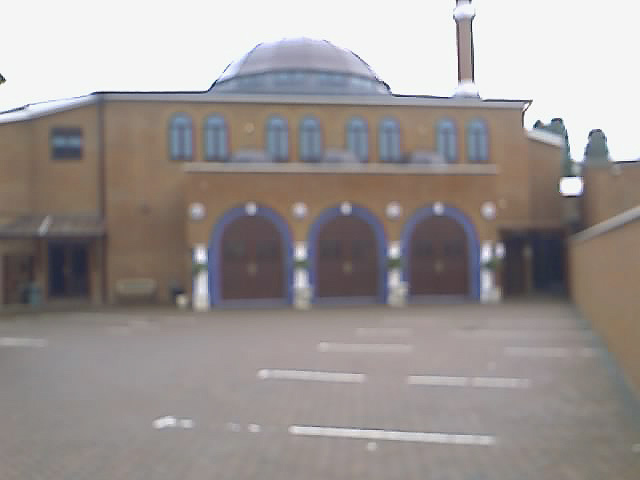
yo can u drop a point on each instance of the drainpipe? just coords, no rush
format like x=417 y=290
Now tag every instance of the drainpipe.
x=102 y=203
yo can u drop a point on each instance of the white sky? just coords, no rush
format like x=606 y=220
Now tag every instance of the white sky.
x=575 y=59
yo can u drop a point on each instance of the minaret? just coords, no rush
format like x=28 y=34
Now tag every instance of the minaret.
x=464 y=14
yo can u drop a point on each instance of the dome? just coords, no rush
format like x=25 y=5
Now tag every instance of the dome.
x=300 y=65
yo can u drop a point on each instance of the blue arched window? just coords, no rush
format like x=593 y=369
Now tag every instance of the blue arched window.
x=181 y=137
x=389 y=140
x=358 y=138
x=447 y=140
x=477 y=141
x=216 y=148
x=277 y=139
x=310 y=140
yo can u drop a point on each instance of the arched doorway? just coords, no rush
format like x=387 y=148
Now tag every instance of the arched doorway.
x=442 y=254
x=250 y=258
x=345 y=256
x=439 y=258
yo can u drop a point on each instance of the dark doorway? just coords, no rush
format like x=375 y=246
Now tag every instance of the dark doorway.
x=549 y=262
x=347 y=259
x=438 y=258
x=68 y=270
x=18 y=274
x=252 y=260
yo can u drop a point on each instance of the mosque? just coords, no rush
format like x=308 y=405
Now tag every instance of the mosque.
x=298 y=178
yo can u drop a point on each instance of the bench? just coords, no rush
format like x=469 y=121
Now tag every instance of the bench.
x=136 y=288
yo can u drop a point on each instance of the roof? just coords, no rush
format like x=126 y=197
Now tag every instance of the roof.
x=544 y=136
x=64 y=225
x=300 y=65
x=298 y=54
x=34 y=110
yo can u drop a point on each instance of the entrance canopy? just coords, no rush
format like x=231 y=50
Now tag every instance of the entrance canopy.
x=54 y=226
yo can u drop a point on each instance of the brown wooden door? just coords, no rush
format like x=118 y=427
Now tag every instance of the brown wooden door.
x=252 y=263
x=346 y=259
x=439 y=258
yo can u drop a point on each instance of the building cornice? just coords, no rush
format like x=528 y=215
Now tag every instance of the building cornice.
x=363 y=100
x=350 y=169
x=631 y=215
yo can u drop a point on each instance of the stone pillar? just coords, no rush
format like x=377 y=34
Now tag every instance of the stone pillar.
x=301 y=288
x=200 y=297
x=397 y=288
x=464 y=13
x=487 y=277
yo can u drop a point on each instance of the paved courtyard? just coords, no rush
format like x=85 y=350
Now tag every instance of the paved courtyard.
x=464 y=392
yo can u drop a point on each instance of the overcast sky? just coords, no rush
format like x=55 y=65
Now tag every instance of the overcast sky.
x=574 y=59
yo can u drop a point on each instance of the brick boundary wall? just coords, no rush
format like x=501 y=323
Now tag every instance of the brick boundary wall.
x=605 y=286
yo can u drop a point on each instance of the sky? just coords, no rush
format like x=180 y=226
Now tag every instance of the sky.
x=575 y=59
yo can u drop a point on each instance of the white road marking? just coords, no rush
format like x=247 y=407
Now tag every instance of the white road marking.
x=517 y=333
x=234 y=427
x=311 y=376
x=364 y=347
x=481 y=382
x=164 y=422
x=437 y=380
x=383 y=332
x=22 y=342
x=369 y=434
x=372 y=446
x=545 y=352
x=172 y=422
x=253 y=428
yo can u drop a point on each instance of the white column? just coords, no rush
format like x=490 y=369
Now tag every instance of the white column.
x=201 y=280
x=301 y=287
x=397 y=288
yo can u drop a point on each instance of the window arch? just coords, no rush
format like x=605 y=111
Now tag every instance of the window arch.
x=216 y=147
x=389 y=140
x=310 y=140
x=358 y=138
x=447 y=140
x=278 y=139
x=181 y=137
x=477 y=141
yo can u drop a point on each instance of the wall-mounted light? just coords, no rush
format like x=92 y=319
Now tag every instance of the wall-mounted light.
x=393 y=210
x=197 y=211
x=345 y=208
x=438 y=208
x=299 y=210
x=251 y=208
x=488 y=210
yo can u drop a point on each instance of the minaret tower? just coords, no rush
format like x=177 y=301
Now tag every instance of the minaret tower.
x=464 y=14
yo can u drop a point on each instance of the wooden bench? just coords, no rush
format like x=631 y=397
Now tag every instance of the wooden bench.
x=136 y=288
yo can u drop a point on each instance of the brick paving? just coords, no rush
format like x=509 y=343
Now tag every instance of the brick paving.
x=83 y=405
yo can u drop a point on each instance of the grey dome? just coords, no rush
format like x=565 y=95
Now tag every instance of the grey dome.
x=299 y=65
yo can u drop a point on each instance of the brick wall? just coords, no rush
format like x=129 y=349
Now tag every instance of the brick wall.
x=605 y=285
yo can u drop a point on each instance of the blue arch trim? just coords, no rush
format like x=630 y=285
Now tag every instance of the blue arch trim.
x=381 y=243
x=215 y=247
x=472 y=242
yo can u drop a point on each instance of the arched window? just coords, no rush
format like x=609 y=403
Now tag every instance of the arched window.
x=447 y=140
x=358 y=138
x=278 y=139
x=477 y=141
x=389 y=140
x=310 y=140
x=181 y=137
x=216 y=148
